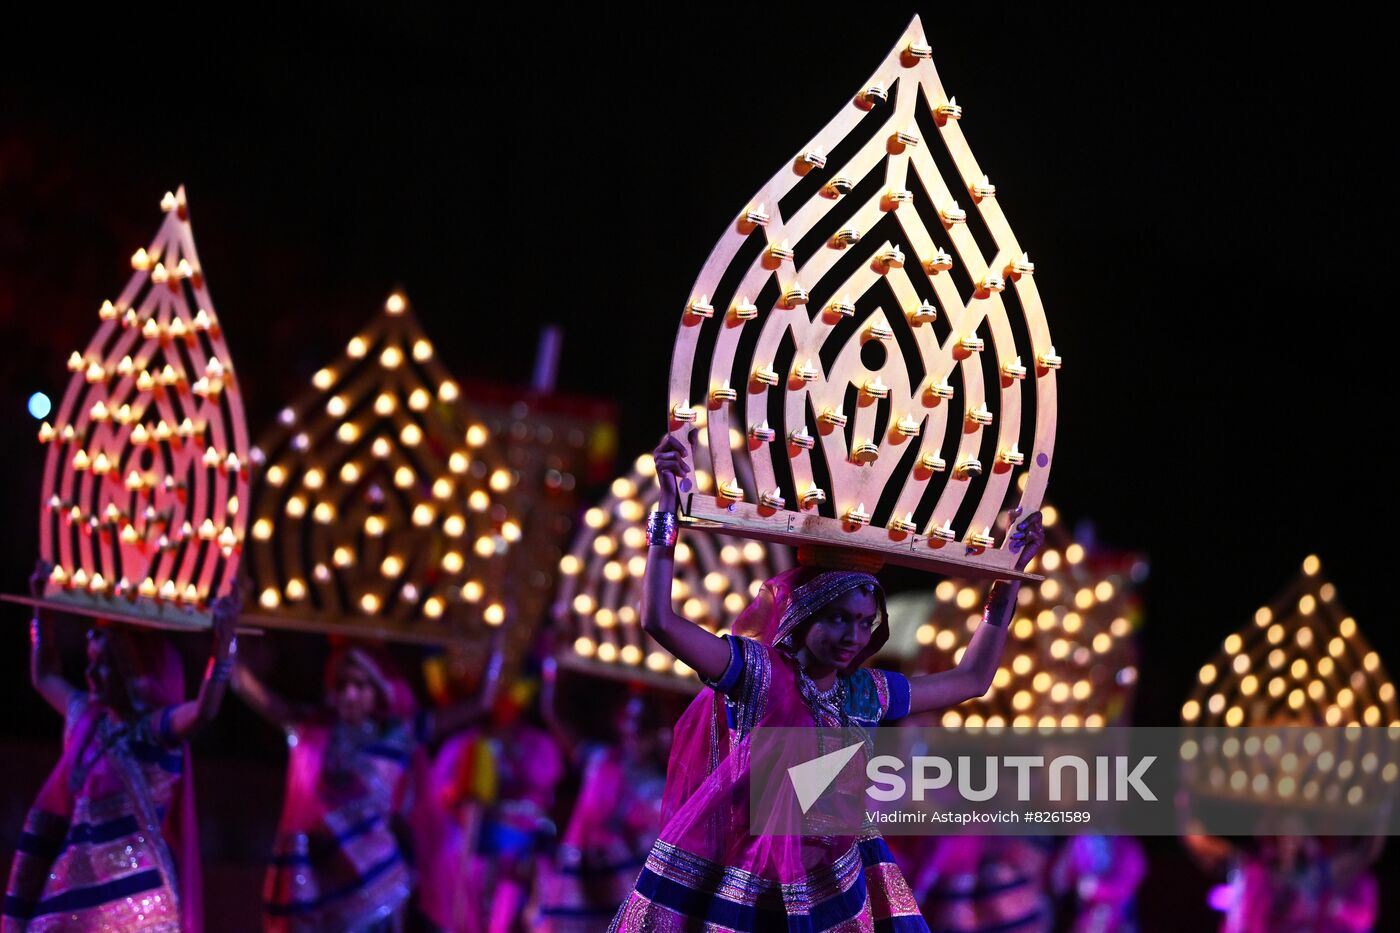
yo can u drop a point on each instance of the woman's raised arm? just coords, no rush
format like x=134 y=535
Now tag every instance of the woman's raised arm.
x=707 y=653
x=973 y=674
x=188 y=718
x=45 y=665
x=455 y=717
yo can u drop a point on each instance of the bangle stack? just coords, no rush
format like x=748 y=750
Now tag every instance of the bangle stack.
x=661 y=529
x=220 y=671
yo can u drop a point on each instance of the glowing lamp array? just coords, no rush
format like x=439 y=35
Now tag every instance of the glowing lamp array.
x=869 y=374
x=384 y=505
x=600 y=582
x=1301 y=661
x=146 y=473
x=1071 y=656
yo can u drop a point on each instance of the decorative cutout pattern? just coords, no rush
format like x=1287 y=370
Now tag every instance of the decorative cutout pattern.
x=909 y=448
x=146 y=480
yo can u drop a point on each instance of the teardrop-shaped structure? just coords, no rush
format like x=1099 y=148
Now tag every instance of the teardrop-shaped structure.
x=1303 y=661
x=600 y=589
x=1071 y=656
x=383 y=507
x=889 y=314
x=146 y=483
x=1292 y=693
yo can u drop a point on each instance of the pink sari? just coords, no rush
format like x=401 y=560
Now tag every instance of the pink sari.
x=336 y=865
x=1262 y=899
x=446 y=818
x=708 y=866
x=614 y=824
x=111 y=842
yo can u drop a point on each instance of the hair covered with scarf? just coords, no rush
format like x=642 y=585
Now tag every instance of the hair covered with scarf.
x=395 y=695
x=776 y=617
x=786 y=602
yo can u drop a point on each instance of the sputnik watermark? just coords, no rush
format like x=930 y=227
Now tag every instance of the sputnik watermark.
x=1116 y=777
x=1139 y=781
x=1127 y=777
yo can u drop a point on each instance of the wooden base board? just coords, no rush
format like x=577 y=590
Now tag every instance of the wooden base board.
x=140 y=611
x=952 y=558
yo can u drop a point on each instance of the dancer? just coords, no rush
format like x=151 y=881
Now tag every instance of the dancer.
x=795 y=660
x=110 y=843
x=337 y=864
x=518 y=771
x=1029 y=884
x=446 y=817
x=1321 y=884
x=615 y=818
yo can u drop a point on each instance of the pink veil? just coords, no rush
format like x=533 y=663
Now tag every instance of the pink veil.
x=706 y=808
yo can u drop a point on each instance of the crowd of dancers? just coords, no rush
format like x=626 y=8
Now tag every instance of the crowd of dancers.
x=397 y=816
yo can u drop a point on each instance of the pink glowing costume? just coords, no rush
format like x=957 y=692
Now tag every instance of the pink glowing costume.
x=110 y=843
x=614 y=824
x=445 y=819
x=337 y=864
x=1095 y=881
x=968 y=884
x=971 y=884
x=707 y=867
x=517 y=833
x=1262 y=899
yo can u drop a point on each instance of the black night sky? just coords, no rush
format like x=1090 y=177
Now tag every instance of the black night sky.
x=1207 y=201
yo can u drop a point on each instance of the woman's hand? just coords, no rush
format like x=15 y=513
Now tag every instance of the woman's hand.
x=39 y=579
x=224 y=615
x=704 y=651
x=45 y=666
x=1027 y=537
x=672 y=471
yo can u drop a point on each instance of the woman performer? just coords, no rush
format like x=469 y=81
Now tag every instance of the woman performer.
x=110 y=843
x=517 y=833
x=615 y=819
x=795 y=660
x=337 y=864
x=1321 y=884
x=1026 y=884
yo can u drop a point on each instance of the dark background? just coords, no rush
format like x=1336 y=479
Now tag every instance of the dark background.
x=1206 y=200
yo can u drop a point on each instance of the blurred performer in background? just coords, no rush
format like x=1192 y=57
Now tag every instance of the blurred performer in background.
x=1297 y=883
x=515 y=773
x=615 y=819
x=337 y=864
x=1026 y=884
x=448 y=805
x=111 y=843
